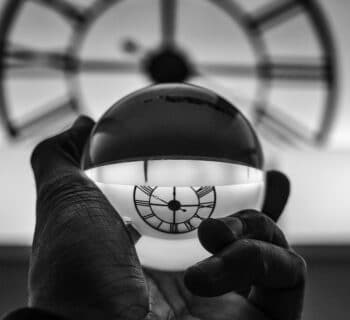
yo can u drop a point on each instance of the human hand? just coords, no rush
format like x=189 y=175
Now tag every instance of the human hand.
x=84 y=263
x=253 y=273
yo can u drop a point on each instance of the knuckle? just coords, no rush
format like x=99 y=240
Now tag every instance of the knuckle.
x=263 y=220
x=250 y=248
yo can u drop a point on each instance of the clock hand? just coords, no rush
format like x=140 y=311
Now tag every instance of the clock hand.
x=174 y=211
x=160 y=199
x=197 y=205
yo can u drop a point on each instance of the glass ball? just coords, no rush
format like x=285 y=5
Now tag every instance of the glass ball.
x=168 y=157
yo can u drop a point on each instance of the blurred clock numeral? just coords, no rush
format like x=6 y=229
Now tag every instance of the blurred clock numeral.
x=142 y=203
x=285 y=127
x=173 y=227
x=274 y=14
x=295 y=71
x=203 y=191
x=146 y=189
x=189 y=226
x=21 y=57
x=147 y=216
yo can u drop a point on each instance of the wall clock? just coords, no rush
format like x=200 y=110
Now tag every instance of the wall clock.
x=62 y=56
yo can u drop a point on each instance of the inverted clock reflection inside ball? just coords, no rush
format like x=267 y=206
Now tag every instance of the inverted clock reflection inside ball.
x=170 y=156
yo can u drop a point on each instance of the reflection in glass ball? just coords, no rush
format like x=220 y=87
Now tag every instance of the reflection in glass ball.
x=168 y=157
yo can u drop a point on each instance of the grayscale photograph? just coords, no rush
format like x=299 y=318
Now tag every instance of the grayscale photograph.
x=174 y=159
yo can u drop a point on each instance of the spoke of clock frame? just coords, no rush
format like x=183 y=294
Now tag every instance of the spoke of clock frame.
x=110 y=66
x=274 y=134
x=227 y=69
x=20 y=58
x=158 y=204
x=68 y=10
x=174 y=211
x=273 y=14
x=168 y=10
x=283 y=69
x=288 y=127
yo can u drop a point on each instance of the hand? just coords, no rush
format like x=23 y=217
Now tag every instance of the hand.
x=253 y=273
x=84 y=264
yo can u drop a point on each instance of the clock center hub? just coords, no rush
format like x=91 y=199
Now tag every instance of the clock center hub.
x=174 y=205
x=167 y=65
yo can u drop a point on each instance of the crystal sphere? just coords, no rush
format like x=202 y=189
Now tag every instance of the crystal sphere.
x=170 y=156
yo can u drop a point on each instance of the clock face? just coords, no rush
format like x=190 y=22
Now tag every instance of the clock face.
x=174 y=209
x=278 y=56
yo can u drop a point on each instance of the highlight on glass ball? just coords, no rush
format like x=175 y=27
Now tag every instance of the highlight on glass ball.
x=168 y=157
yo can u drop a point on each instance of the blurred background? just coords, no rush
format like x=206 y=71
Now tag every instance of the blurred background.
x=284 y=63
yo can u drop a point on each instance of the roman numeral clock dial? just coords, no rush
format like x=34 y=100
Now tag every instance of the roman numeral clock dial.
x=174 y=209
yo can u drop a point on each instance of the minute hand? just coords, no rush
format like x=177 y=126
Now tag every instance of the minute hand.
x=160 y=199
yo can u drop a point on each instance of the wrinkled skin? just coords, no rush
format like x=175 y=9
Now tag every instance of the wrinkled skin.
x=84 y=264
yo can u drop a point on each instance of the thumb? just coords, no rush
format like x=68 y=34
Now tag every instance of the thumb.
x=277 y=194
x=60 y=155
x=74 y=139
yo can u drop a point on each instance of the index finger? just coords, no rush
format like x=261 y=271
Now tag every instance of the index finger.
x=215 y=234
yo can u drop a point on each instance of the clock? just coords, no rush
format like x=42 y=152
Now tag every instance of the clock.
x=62 y=57
x=175 y=209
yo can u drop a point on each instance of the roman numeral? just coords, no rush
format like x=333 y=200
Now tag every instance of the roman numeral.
x=146 y=189
x=295 y=70
x=142 y=203
x=203 y=191
x=189 y=226
x=173 y=228
x=274 y=14
x=147 y=216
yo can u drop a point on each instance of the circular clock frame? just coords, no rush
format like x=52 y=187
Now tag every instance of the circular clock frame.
x=266 y=70
x=174 y=212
